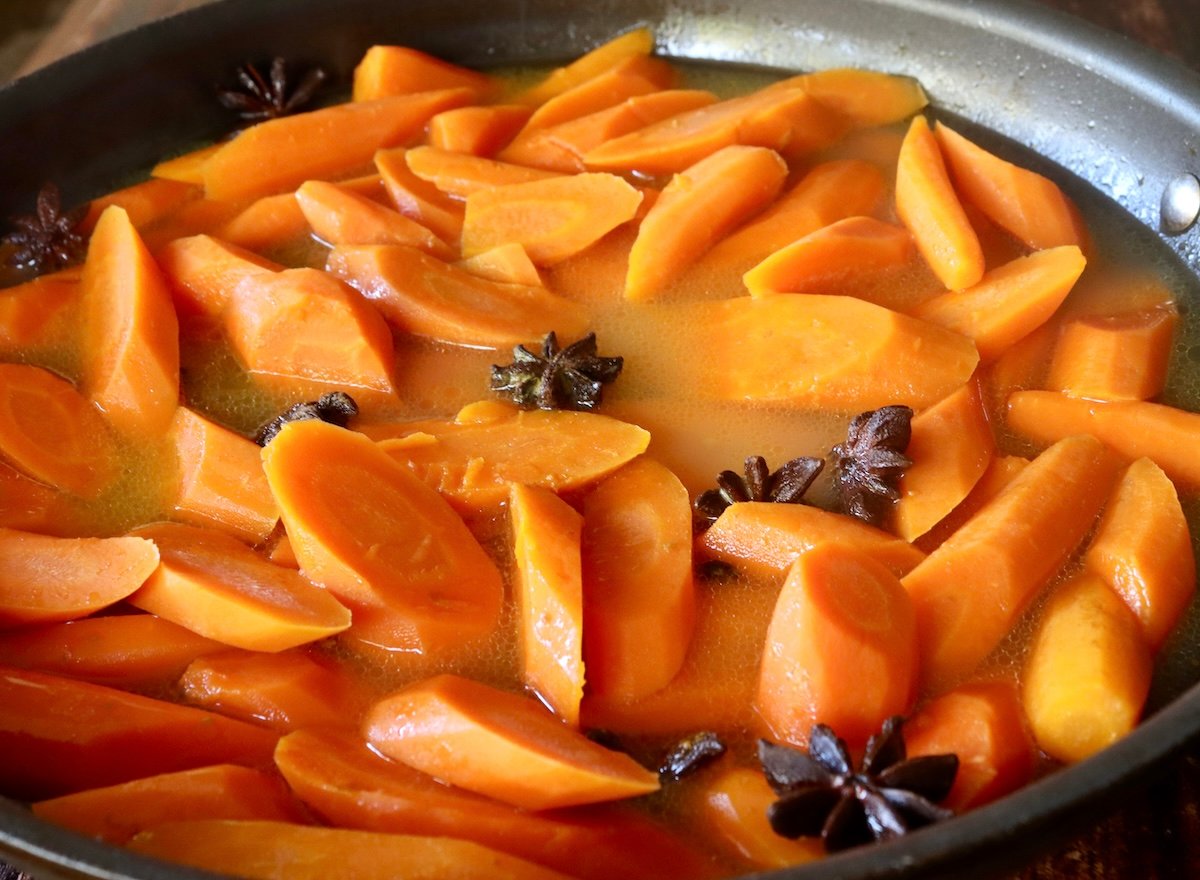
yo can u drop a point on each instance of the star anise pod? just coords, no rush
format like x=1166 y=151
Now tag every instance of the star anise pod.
x=48 y=238
x=559 y=378
x=820 y=792
x=257 y=97
x=869 y=464
x=786 y=485
x=336 y=407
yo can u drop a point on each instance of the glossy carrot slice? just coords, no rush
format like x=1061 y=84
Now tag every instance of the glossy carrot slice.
x=145 y=203
x=480 y=131
x=31 y=506
x=387 y=71
x=460 y=174
x=269 y=223
x=499 y=744
x=203 y=271
x=185 y=168
x=866 y=97
x=631 y=44
x=419 y=199
x=1114 y=357
x=998 y=476
x=37 y=313
x=339 y=216
x=628 y=78
x=506 y=263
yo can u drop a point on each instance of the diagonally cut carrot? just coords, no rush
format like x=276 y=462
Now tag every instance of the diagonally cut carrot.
x=202 y=272
x=387 y=71
x=866 y=97
x=460 y=174
x=628 y=78
x=999 y=474
x=631 y=44
x=480 y=131
x=339 y=216
x=1114 y=357
x=266 y=224
x=37 y=313
x=185 y=168
x=506 y=263
x=145 y=203
x=419 y=199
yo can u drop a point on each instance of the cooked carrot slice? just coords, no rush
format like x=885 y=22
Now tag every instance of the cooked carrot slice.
x=387 y=71
x=60 y=735
x=866 y=97
x=45 y=579
x=480 y=131
x=281 y=552
x=1114 y=357
x=639 y=598
x=422 y=295
x=927 y=205
x=506 y=263
x=999 y=474
x=131 y=349
x=628 y=78
x=499 y=744
x=49 y=431
x=201 y=216
x=1143 y=550
x=419 y=199
x=281 y=154
x=35 y=314
x=339 y=216
x=187 y=167
x=203 y=271
x=145 y=202
x=364 y=527
x=552 y=219
x=631 y=44
x=31 y=506
x=268 y=223
x=460 y=174
x=1009 y=302
x=223 y=791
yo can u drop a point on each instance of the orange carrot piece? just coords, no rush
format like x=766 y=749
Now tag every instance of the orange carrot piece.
x=419 y=199
x=282 y=553
x=830 y=352
x=472 y=462
x=506 y=263
x=145 y=202
x=480 y=131
x=1025 y=363
x=999 y=474
x=131 y=353
x=549 y=597
x=35 y=314
x=460 y=174
x=866 y=97
x=213 y=584
x=31 y=506
x=116 y=813
x=1143 y=550
x=373 y=534
x=984 y=724
x=631 y=44
x=304 y=323
x=628 y=78
x=338 y=216
x=499 y=744
x=927 y=205
x=970 y=591
x=122 y=650
x=185 y=168
x=221 y=483
x=697 y=208
x=281 y=154
x=387 y=71
x=1088 y=671
x=201 y=216
x=1023 y=202
x=1134 y=428
x=1114 y=357
x=267 y=223
x=639 y=598
x=45 y=579
x=285 y=691
x=50 y=432
x=553 y=219
x=839 y=613
x=422 y=295
x=950 y=448
x=832 y=258
x=203 y=272
x=60 y=735
x=1009 y=302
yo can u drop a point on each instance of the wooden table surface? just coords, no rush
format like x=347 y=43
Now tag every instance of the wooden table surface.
x=1156 y=835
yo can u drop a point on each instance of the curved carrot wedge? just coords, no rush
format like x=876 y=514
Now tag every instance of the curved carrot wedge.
x=628 y=78
x=999 y=474
x=145 y=202
x=122 y=650
x=185 y=168
x=984 y=724
x=422 y=295
x=460 y=174
x=387 y=71
x=505 y=263
x=306 y=324
x=549 y=597
x=480 y=131
x=971 y=590
x=36 y=314
x=60 y=735
x=266 y=224
x=832 y=258
x=927 y=205
x=950 y=448
x=202 y=272
x=1134 y=428
x=131 y=356
x=281 y=154
x=696 y=209
x=552 y=219
x=1114 y=357
x=500 y=744
x=376 y=536
x=639 y=598
x=49 y=431
x=45 y=579
x=831 y=352
x=631 y=44
x=866 y=97
x=473 y=463
x=1088 y=671
x=214 y=585
x=223 y=791
x=1009 y=302
x=839 y=614
x=1023 y=202
x=419 y=199
x=1143 y=550
x=339 y=216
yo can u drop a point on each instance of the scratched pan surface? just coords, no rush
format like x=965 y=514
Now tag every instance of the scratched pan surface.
x=1114 y=123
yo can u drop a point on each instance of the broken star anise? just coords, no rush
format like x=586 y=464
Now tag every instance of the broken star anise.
x=689 y=755
x=559 y=378
x=786 y=485
x=820 y=792
x=48 y=238
x=257 y=97
x=869 y=464
x=336 y=407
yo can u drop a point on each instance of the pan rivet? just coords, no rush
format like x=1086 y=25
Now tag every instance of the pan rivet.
x=1180 y=203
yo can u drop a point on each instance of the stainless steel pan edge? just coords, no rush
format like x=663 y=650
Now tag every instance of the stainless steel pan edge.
x=1119 y=118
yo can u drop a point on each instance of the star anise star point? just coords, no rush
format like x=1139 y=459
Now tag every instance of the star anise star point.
x=557 y=378
x=257 y=98
x=786 y=485
x=869 y=463
x=48 y=238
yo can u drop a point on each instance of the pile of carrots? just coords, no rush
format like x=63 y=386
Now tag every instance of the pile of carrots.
x=385 y=650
